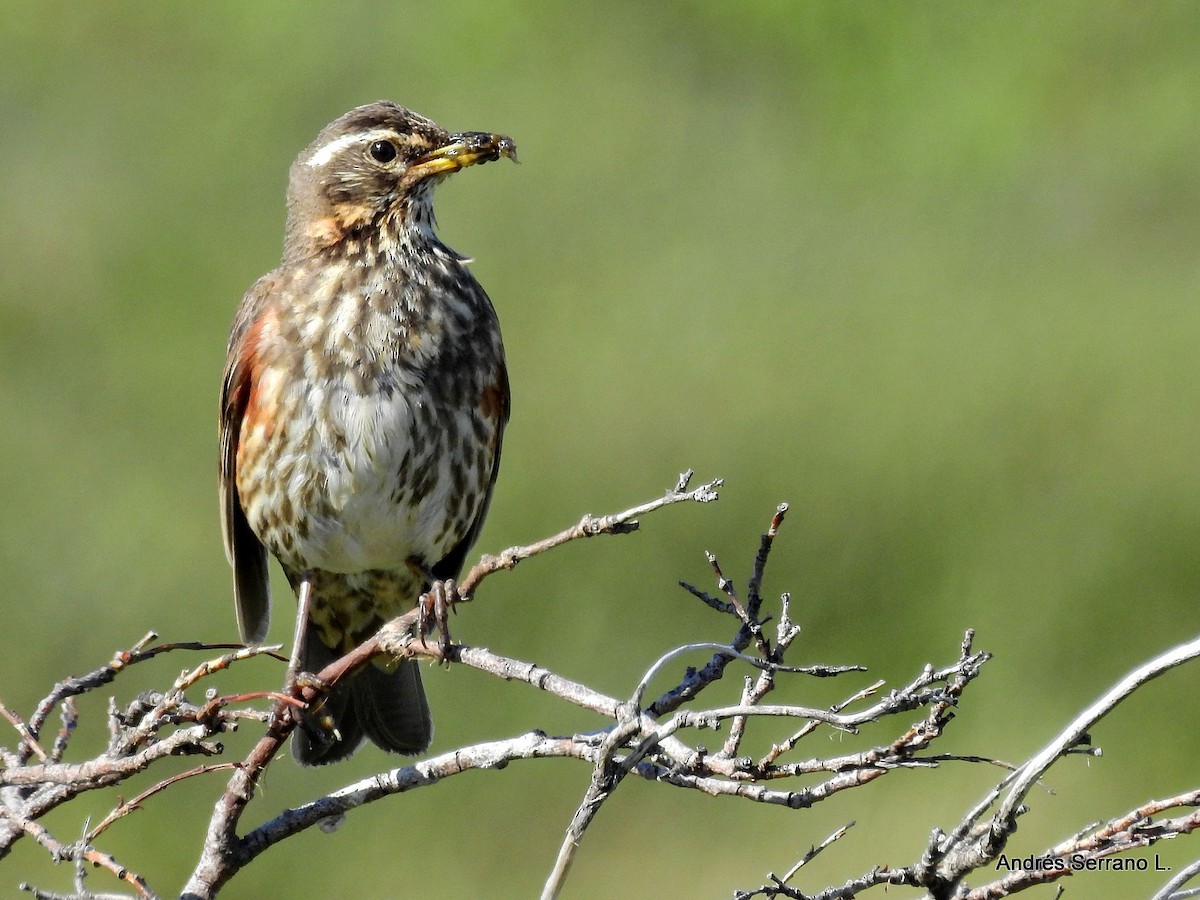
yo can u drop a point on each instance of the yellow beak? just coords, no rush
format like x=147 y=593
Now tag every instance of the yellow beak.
x=465 y=149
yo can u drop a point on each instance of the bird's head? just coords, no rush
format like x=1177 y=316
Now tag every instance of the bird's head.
x=373 y=165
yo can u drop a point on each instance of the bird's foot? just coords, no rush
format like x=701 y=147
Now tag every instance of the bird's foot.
x=308 y=714
x=317 y=723
x=434 y=609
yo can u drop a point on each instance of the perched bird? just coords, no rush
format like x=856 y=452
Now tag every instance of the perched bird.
x=362 y=410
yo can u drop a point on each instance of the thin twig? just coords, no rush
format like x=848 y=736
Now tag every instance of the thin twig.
x=783 y=747
x=778 y=886
x=29 y=741
x=125 y=807
x=589 y=526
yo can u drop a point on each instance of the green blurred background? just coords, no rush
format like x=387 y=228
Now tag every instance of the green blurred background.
x=926 y=271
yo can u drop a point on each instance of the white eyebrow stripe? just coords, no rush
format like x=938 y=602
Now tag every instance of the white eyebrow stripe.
x=326 y=152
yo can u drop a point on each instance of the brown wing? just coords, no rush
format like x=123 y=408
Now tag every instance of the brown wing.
x=245 y=552
x=496 y=402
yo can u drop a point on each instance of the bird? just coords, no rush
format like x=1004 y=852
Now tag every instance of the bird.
x=363 y=406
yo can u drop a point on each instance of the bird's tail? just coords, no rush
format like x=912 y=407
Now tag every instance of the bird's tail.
x=386 y=705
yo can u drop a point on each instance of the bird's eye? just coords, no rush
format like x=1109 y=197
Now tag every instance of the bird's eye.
x=382 y=151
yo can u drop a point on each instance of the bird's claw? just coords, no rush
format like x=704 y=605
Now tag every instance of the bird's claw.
x=302 y=680
x=433 y=612
x=309 y=715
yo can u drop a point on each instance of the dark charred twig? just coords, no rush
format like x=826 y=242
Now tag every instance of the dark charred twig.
x=730 y=653
x=716 y=603
x=754 y=586
x=696 y=681
x=749 y=622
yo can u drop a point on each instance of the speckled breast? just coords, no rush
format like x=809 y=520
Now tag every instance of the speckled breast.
x=365 y=447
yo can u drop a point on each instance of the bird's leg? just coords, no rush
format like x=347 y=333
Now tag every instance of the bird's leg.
x=316 y=721
x=296 y=678
x=433 y=612
x=303 y=602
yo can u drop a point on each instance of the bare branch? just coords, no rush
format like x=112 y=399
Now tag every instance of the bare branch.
x=970 y=847
x=331 y=807
x=606 y=775
x=657 y=742
x=81 y=852
x=1171 y=890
